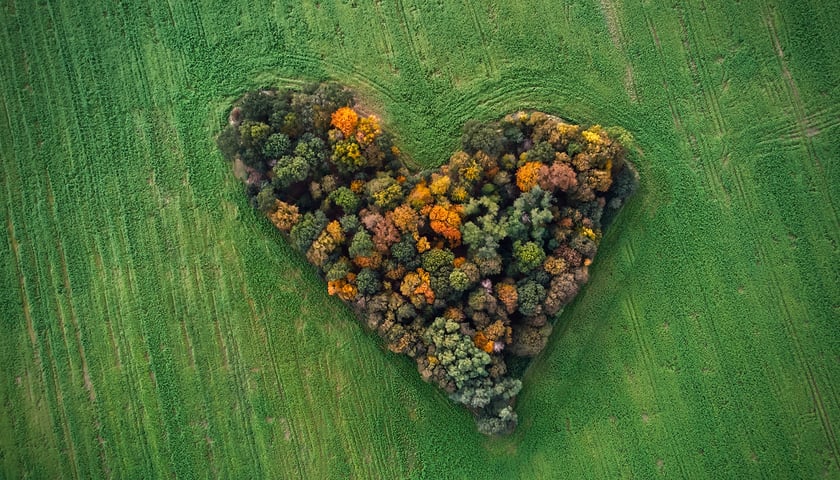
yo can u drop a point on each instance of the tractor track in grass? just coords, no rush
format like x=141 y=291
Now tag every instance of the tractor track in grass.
x=805 y=133
x=24 y=298
x=802 y=120
x=355 y=76
x=675 y=114
x=487 y=58
x=793 y=333
x=409 y=34
x=710 y=103
x=629 y=251
x=649 y=364
x=822 y=120
x=709 y=160
x=109 y=323
x=387 y=39
x=40 y=359
x=270 y=349
x=243 y=382
x=218 y=291
x=619 y=41
x=813 y=387
x=122 y=293
x=63 y=421
x=68 y=293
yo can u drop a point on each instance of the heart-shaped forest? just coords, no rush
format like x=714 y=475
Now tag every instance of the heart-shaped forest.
x=462 y=268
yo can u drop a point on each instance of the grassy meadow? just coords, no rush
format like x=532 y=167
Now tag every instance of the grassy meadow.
x=152 y=325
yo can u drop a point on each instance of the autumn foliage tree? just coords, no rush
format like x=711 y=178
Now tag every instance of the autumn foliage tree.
x=446 y=221
x=345 y=119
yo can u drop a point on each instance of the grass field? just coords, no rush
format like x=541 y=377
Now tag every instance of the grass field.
x=151 y=324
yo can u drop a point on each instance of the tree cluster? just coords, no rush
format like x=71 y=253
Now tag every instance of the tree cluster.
x=460 y=268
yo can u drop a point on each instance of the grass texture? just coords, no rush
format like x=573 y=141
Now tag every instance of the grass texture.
x=152 y=324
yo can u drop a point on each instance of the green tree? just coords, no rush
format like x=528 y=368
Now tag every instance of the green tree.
x=541 y=152
x=259 y=106
x=338 y=270
x=482 y=392
x=228 y=142
x=289 y=170
x=303 y=234
x=530 y=216
x=349 y=223
x=266 y=199
x=484 y=230
x=345 y=198
x=459 y=280
x=367 y=281
x=480 y=136
x=253 y=134
x=528 y=255
x=438 y=261
x=312 y=149
x=457 y=353
x=405 y=252
x=347 y=157
x=531 y=294
x=362 y=245
x=277 y=145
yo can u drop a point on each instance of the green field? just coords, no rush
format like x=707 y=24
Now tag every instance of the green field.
x=152 y=324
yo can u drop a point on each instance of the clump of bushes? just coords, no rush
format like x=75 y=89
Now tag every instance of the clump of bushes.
x=459 y=268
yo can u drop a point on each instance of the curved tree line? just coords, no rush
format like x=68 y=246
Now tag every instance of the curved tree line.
x=461 y=268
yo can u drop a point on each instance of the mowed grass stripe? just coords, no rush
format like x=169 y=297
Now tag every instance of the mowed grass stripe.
x=122 y=400
x=680 y=122
x=127 y=250
x=50 y=341
x=223 y=331
x=26 y=259
x=35 y=380
x=195 y=271
x=784 y=312
x=120 y=305
x=704 y=154
x=800 y=113
x=81 y=337
x=765 y=237
x=21 y=353
x=269 y=416
x=80 y=381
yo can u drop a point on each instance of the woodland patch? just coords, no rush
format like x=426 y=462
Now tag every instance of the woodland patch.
x=462 y=267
